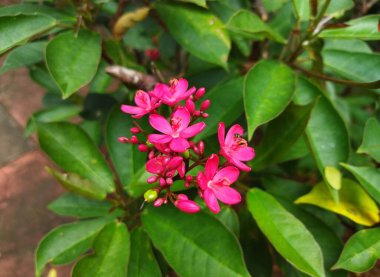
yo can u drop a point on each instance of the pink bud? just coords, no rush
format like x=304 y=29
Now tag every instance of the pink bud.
x=189 y=178
x=135 y=130
x=143 y=148
x=152 y=179
x=174 y=163
x=197 y=113
x=152 y=54
x=134 y=140
x=205 y=105
x=123 y=139
x=151 y=155
x=187 y=184
x=204 y=115
x=199 y=94
x=159 y=202
x=169 y=181
x=162 y=182
x=201 y=147
x=182 y=196
x=190 y=106
x=187 y=206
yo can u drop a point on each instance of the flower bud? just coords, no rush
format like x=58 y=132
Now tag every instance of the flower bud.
x=197 y=113
x=169 y=181
x=152 y=54
x=143 y=148
x=187 y=206
x=182 y=196
x=135 y=130
x=159 y=202
x=205 y=105
x=151 y=155
x=190 y=106
x=134 y=140
x=186 y=154
x=152 y=179
x=199 y=94
x=201 y=147
x=189 y=178
x=204 y=115
x=150 y=195
x=162 y=182
x=123 y=139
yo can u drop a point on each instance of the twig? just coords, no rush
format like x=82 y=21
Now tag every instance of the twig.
x=132 y=77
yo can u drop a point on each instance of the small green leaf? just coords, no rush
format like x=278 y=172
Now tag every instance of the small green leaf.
x=206 y=247
x=112 y=250
x=73 y=205
x=70 y=148
x=268 y=89
x=250 y=25
x=286 y=233
x=25 y=55
x=354 y=202
x=368 y=177
x=198 y=31
x=361 y=251
x=370 y=144
x=364 y=28
x=226 y=101
x=66 y=242
x=73 y=59
x=18 y=29
x=142 y=262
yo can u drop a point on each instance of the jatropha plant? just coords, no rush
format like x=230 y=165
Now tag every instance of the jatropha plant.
x=172 y=154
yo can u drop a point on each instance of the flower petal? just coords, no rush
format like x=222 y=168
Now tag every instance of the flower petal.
x=181 y=115
x=221 y=133
x=202 y=180
x=179 y=145
x=160 y=90
x=142 y=99
x=133 y=110
x=227 y=195
x=155 y=167
x=158 y=138
x=244 y=154
x=160 y=123
x=211 y=201
x=228 y=174
x=193 y=130
x=236 y=129
x=187 y=206
x=239 y=164
x=211 y=166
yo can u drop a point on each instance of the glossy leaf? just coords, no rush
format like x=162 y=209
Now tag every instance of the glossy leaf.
x=226 y=106
x=66 y=242
x=18 y=29
x=70 y=148
x=142 y=262
x=268 y=89
x=286 y=233
x=25 y=55
x=188 y=24
x=250 y=25
x=112 y=250
x=334 y=9
x=73 y=205
x=230 y=219
x=281 y=134
x=72 y=59
x=364 y=28
x=334 y=177
x=125 y=157
x=361 y=251
x=354 y=202
x=201 y=3
x=370 y=144
x=368 y=177
x=194 y=236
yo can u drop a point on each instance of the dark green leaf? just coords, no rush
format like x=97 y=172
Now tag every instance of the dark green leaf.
x=201 y=3
x=370 y=144
x=69 y=147
x=73 y=59
x=142 y=262
x=112 y=250
x=18 y=29
x=206 y=247
x=198 y=31
x=41 y=76
x=230 y=219
x=287 y=234
x=268 y=89
x=73 y=205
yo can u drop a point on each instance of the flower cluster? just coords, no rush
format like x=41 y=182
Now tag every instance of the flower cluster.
x=172 y=154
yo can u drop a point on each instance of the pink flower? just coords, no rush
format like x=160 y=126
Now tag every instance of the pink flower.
x=177 y=131
x=145 y=104
x=233 y=147
x=176 y=92
x=185 y=205
x=166 y=166
x=216 y=184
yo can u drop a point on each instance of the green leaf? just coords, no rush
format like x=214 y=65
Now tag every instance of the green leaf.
x=112 y=249
x=66 y=242
x=368 y=177
x=326 y=132
x=286 y=233
x=230 y=219
x=273 y=5
x=59 y=113
x=138 y=184
x=125 y=157
x=364 y=28
x=354 y=202
x=201 y=3
x=361 y=251
x=73 y=205
x=41 y=76
x=268 y=89
x=226 y=102
x=298 y=150
x=250 y=25
x=198 y=31
x=25 y=55
x=73 y=59
x=142 y=262
x=70 y=148
x=101 y=79
x=370 y=144
x=334 y=177
x=334 y=9
x=281 y=134
x=18 y=29
x=206 y=247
